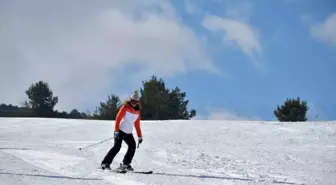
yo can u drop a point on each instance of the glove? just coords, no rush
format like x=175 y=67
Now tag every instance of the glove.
x=140 y=139
x=116 y=135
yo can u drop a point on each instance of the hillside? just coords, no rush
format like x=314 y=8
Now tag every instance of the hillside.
x=45 y=151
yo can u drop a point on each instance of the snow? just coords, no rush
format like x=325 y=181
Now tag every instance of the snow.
x=46 y=151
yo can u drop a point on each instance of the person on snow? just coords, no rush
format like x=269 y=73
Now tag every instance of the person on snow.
x=128 y=115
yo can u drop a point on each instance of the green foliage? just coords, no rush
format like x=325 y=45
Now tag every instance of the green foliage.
x=108 y=110
x=178 y=105
x=293 y=110
x=160 y=103
x=157 y=102
x=75 y=114
x=15 y=111
x=41 y=99
x=154 y=99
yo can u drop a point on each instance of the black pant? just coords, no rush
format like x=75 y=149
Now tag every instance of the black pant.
x=129 y=140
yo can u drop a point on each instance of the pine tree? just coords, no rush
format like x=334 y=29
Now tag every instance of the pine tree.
x=154 y=99
x=41 y=99
x=108 y=110
x=160 y=103
x=293 y=110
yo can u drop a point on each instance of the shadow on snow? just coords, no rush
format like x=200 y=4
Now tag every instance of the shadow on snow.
x=155 y=173
x=4 y=148
x=50 y=176
x=221 y=177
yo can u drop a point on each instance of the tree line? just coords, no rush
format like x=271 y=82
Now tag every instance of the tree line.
x=157 y=101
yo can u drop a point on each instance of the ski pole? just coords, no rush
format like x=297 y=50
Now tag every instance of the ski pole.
x=96 y=143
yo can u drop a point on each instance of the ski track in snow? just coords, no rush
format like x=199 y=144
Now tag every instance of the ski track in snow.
x=45 y=151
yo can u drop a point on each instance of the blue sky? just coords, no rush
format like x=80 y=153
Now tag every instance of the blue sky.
x=295 y=63
x=235 y=59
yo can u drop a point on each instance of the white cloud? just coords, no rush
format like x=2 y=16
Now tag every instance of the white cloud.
x=236 y=9
x=238 y=32
x=223 y=114
x=239 y=10
x=325 y=31
x=82 y=47
x=190 y=7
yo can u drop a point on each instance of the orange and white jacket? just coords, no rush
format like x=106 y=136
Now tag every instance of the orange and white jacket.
x=126 y=118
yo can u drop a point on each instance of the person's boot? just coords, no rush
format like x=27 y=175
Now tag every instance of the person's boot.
x=105 y=166
x=127 y=167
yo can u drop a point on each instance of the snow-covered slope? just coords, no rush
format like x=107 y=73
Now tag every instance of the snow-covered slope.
x=45 y=151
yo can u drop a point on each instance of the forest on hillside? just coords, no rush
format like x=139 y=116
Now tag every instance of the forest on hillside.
x=157 y=101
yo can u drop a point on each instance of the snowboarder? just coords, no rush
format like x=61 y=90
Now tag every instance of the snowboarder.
x=128 y=115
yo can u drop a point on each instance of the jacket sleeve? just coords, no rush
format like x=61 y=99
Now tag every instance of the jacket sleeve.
x=137 y=127
x=119 y=117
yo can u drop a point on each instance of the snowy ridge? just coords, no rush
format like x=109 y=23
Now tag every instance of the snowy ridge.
x=45 y=151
